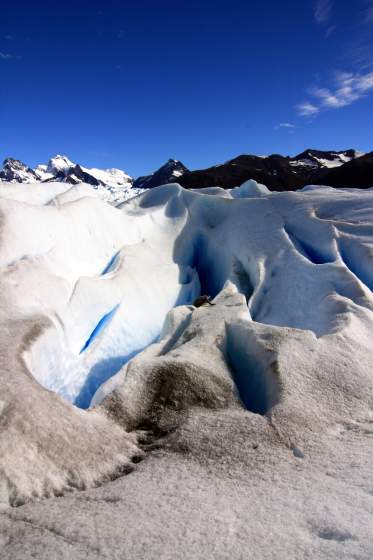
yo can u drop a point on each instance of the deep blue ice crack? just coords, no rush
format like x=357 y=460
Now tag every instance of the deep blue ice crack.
x=99 y=327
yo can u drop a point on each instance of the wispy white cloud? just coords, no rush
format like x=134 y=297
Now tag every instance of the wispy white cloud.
x=5 y=56
x=323 y=11
x=286 y=125
x=348 y=88
x=307 y=109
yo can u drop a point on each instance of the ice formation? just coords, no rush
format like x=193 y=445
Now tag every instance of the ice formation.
x=96 y=311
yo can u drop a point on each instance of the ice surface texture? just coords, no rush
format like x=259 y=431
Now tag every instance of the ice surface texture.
x=95 y=302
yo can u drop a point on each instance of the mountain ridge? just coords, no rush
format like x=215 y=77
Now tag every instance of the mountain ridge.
x=283 y=173
x=344 y=168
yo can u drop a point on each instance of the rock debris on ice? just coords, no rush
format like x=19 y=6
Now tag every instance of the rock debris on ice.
x=267 y=393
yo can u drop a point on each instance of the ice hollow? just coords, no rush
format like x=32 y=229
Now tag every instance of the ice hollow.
x=95 y=311
x=106 y=277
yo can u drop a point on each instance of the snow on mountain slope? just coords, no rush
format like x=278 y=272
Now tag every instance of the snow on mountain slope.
x=112 y=185
x=17 y=172
x=42 y=172
x=58 y=164
x=170 y=172
x=338 y=168
x=316 y=159
x=259 y=391
x=110 y=177
x=284 y=173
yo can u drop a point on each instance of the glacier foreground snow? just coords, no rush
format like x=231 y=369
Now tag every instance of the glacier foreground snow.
x=254 y=414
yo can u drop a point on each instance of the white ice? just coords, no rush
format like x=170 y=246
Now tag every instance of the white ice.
x=107 y=276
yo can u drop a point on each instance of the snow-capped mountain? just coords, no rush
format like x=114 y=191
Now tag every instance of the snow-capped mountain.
x=277 y=172
x=347 y=168
x=113 y=185
x=15 y=171
x=317 y=159
x=56 y=166
x=170 y=172
x=357 y=172
x=282 y=173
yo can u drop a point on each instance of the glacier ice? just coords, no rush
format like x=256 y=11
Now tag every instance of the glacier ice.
x=106 y=277
x=95 y=310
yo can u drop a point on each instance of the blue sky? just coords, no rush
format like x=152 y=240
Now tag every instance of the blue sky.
x=130 y=84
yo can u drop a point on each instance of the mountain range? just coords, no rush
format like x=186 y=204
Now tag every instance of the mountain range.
x=347 y=168
x=113 y=185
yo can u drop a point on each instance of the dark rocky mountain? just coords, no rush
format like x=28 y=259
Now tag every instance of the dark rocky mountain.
x=355 y=173
x=16 y=171
x=280 y=173
x=274 y=171
x=170 y=172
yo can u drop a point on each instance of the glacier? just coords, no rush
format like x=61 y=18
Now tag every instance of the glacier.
x=105 y=359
